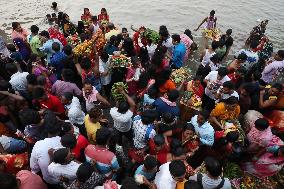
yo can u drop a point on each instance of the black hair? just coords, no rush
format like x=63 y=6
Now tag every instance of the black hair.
x=213 y=166
x=48 y=16
x=150 y=162
x=65 y=127
x=44 y=33
x=102 y=136
x=148 y=117
x=95 y=113
x=41 y=80
x=80 y=27
x=254 y=44
x=112 y=39
x=129 y=183
x=229 y=85
x=242 y=57
x=94 y=18
x=215 y=58
x=144 y=57
x=11 y=68
x=86 y=63
x=188 y=33
x=189 y=126
x=176 y=37
x=277 y=86
x=159 y=140
x=56 y=46
x=68 y=75
x=177 y=152
x=69 y=141
x=232 y=136
x=84 y=172
x=11 y=47
x=53 y=15
x=135 y=59
x=152 y=92
x=54 y=5
x=163 y=31
x=124 y=29
x=59 y=156
x=168 y=117
x=175 y=143
x=110 y=26
x=158 y=56
x=32 y=79
x=173 y=95
x=229 y=32
x=5 y=86
x=29 y=117
x=68 y=96
x=123 y=107
x=222 y=71
x=8 y=181
x=212 y=13
x=261 y=124
x=257 y=75
x=161 y=78
x=15 y=25
x=67 y=49
x=215 y=45
x=204 y=114
x=177 y=168
x=34 y=29
x=38 y=92
x=104 y=56
x=52 y=126
x=231 y=100
x=128 y=47
x=198 y=77
x=281 y=53
x=192 y=184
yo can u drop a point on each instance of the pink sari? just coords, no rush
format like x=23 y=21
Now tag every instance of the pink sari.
x=187 y=42
x=267 y=164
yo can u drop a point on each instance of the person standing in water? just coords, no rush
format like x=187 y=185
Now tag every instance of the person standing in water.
x=211 y=22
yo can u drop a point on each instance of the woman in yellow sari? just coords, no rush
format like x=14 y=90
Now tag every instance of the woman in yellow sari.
x=226 y=111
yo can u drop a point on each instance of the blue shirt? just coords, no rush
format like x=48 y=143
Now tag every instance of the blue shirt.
x=47 y=48
x=205 y=131
x=178 y=54
x=163 y=107
x=56 y=61
x=148 y=175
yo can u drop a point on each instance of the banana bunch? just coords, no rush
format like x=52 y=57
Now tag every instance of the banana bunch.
x=115 y=93
x=84 y=48
x=213 y=34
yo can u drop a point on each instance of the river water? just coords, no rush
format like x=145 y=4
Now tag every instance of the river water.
x=178 y=15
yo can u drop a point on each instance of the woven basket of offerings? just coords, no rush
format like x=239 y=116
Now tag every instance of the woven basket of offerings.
x=180 y=75
x=120 y=61
x=152 y=35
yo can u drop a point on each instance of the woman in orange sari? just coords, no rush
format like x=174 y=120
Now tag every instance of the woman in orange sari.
x=227 y=111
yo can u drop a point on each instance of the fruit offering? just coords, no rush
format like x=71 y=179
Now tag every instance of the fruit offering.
x=181 y=75
x=115 y=93
x=84 y=48
x=100 y=40
x=213 y=34
x=120 y=61
x=152 y=35
x=73 y=40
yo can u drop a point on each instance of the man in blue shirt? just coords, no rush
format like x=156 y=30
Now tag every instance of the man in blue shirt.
x=47 y=45
x=57 y=59
x=167 y=103
x=179 y=51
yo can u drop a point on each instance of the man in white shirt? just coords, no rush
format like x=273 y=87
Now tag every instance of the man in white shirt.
x=122 y=117
x=105 y=73
x=18 y=79
x=40 y=159
x=226 y=91
x=169 y=174
x=212 y=179
x=213 y=81
x=63 y=166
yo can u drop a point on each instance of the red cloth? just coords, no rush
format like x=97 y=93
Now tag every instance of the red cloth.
x=52 y=103
x=103 y=17
x=82 y=143
x=132 y=85
x=55 y=34
x=161 y=154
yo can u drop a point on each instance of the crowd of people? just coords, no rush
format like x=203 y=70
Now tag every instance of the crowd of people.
x=61 y=127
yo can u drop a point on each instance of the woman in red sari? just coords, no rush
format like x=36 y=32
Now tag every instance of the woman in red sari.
x=13 y=163
x=103 y=16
